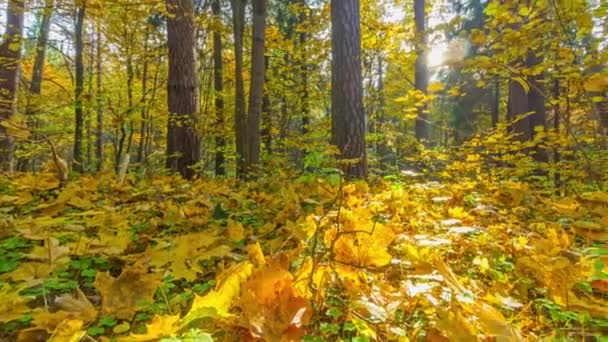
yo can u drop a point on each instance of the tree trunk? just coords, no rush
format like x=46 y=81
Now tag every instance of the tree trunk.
x=240 y=117
x=423 y=127
x=144 y=99
x=256 y=90
x=496 y=104
x=348 y=116
x=183 y=142
x=517 y=107
x=536 y=103
x=10 y=55
x=218 y=87
x=43 y=38
x=99 y=105
x=79 y=89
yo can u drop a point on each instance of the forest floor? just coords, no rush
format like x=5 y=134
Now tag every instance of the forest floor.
x=313 y=259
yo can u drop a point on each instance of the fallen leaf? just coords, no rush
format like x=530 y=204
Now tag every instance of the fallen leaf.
x=121 y=295
x=160 y=326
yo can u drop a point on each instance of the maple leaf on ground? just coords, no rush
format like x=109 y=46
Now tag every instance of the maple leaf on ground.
x=51 y=253
x=68 y=331
x=218 y=301
x=361 y=242
x=12 y=305
x=184 y=252
x=71 y=307
x=121 y=295
x=160 y=326
x=272 y=307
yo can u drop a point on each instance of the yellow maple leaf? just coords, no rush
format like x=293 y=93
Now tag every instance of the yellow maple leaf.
x=68 y=331
x=218 y=301
x=360 y=242
x=272 y=307
x=121 y=295
x=160 y=326
x=12 y=305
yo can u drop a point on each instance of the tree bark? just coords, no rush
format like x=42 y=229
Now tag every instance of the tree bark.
x=79 y=89
x=10 y=56
x=99 y=104
x=423 y=127
x=218 y=87
x=536 y=103
x=183 y=142
x=348 y=116
x=256 y=90
x=43 y=38
x=240 y=116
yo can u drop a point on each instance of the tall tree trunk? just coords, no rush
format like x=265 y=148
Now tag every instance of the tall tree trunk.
x=256 y=90
x=496 y=104
x=240 y=117
x=536 y=103
x=43 y=38
x=423 y=127
x=79 y=89
x=10 y=56
x=35 y=87
x=183 y=142
x=303 y=70
x=144 y=99
x=517 y=108
x=267 y=115
x=348 y=116
x=99 y=104
x=218 y=87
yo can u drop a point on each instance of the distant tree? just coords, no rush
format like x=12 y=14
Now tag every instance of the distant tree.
x=256 y=90
x=240 y=116
x=183 y=142
x=348 y=117
x=79 y=89
x=218 y=87
x=10 y=55
x=423 y=127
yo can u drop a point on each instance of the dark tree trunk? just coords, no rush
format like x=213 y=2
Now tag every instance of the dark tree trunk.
x=144 y=99
x=256 y=90
x=348 y=116
x=43 y=38
x=183 y=142
x=536 y=103
x=99 y=105
x=10 y=55
x=517 y=108
x=496 y=104
x=423 y=127
x=304 y=105
x=240 y=116
x=218 y=87
x=79 y=89
x=267 y=117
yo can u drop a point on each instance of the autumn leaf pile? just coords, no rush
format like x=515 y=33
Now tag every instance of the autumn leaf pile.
x=307 y=259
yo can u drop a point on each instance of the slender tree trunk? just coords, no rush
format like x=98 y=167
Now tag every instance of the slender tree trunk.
x=303 y=38
x=218 y=87
x=348 y=116
x=144 y=99
x=43 y=38
x=423 y=127
x=536 y=103
x=10 y=56
x=78 y=107
x=240 y=116
x=183 y=142
x=267 y=115
x=556 y=126
x=99 y=98
x=496 y=104
x=33 y=102
x=256 y=90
